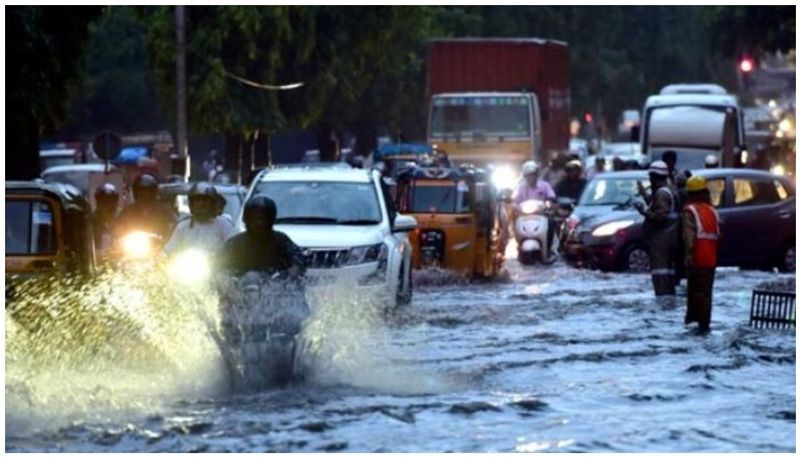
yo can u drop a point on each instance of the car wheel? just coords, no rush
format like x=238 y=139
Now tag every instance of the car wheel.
x=788 y=260
x=405 y=287
x=636 y=260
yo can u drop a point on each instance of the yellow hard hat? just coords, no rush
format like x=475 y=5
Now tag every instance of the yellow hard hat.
x=695 y=184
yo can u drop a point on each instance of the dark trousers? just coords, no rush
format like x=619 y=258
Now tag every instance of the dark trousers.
x=698 y=301
x=662 y=262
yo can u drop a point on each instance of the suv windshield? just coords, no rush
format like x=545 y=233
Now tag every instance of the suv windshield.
x=307 y=202
x=611 y=191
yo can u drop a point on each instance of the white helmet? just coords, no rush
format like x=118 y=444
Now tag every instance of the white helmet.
x=658 y=168
x=711 y=161
x=530 y=167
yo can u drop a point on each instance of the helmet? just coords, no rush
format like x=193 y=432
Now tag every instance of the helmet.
x=530 y=167
x=695 y=184
x=145 y=187
x=573 y=164
x=711 y=161
x=262 y=207
x=658 y=168
x=203 y=200
x=106 y=194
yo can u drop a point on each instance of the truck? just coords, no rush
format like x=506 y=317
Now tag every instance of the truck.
x=694 y=125
x=499 y=101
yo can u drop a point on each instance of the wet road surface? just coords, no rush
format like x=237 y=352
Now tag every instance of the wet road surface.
x=555 y=359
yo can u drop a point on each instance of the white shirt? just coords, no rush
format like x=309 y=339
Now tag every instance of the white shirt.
x=208 y=236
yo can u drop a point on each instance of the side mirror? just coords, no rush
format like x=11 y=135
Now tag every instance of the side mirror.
x=635 y=133
x=403 y=223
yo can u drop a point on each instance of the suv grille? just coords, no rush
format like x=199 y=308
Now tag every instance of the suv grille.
x=325 y=258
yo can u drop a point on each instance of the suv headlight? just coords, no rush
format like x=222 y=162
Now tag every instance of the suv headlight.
x=611 y=228
x=366 y=254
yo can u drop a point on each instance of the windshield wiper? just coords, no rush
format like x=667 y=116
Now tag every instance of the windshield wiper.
x=358 y=222
x=306 y=220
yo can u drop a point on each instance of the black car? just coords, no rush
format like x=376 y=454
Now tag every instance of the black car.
x=176 y=195
x=756 y=208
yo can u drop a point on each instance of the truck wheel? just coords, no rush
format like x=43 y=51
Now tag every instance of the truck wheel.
x=636 y=260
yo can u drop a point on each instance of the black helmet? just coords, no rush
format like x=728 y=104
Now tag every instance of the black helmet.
x=262 y=207
x=145 y=187
x=199 y=194
x=106 y=194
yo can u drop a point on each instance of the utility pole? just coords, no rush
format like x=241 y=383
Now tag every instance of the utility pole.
x=180 y=70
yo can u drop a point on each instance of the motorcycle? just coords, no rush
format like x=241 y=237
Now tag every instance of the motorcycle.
x=262 y=321
x=531 y=233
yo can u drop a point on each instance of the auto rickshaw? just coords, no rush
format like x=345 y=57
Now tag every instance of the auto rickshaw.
x=395 y=156
x=48 y=230
x=459 y=222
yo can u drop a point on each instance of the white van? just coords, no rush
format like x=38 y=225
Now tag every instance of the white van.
x=694 y=125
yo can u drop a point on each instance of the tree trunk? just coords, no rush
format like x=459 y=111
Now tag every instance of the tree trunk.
x=233 y=156
x=366 y=141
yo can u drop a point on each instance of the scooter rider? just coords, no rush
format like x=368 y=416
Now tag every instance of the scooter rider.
x=205 y=229
x=146 y=213
x=572 y=186
x=106 y=198
x=660 y=227
x=534 y=188
x=259 y=247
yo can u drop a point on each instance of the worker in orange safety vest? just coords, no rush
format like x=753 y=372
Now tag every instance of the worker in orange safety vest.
x=701 y=234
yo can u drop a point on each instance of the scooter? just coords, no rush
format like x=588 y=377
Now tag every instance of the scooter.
x=262 y=319
x=531 y=233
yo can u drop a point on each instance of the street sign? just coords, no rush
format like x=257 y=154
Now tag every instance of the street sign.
x=107 y=145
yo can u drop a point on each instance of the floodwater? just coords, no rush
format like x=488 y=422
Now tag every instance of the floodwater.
x=554 y=359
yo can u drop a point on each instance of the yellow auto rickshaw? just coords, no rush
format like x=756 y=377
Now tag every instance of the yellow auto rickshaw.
x=48 y=230
x=459 y=224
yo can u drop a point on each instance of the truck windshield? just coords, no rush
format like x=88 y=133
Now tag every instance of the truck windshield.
x=479 y=117
x=449 y=198
x=307 y=202
x=29 y=228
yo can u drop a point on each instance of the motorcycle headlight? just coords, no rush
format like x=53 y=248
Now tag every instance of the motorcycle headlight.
x=530 y=206
x=190 y=267
x=503 y=177
x=366 y=254
x=137 y=245
x=778 y=170
x=611 y=228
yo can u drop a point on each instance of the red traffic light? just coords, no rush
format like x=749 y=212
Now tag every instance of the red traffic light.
x=587 y=117
x=746 y=65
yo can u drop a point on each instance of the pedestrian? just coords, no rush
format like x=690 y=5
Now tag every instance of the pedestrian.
x=711 y=161
x=599 y=167
x=671 y=159
x=660 y=227
x=701 y=234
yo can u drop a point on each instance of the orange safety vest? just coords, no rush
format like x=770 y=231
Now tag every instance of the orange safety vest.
x=704 y=254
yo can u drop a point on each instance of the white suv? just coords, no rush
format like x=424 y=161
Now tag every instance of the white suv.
x=344 y=220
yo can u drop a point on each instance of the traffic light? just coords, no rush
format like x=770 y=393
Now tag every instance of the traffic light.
x=746 y=65
x=587 y=117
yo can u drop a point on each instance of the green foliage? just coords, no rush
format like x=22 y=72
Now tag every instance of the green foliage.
x=754 y=29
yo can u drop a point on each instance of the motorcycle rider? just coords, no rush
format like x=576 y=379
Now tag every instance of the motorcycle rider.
x=146 y=213
x=711 y=161
x=259 y=247
x=534 y=188
x=701 y=233
x=660 y=227
x=572 y=186
x=106 y=198
x=205 y=229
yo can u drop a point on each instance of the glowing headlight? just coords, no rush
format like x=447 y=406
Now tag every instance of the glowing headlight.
x=611 y=228
x=530 y=206
x=785 y=125
x=778 y=170
x=190 y=267
x=503 y=177
x=137 y=245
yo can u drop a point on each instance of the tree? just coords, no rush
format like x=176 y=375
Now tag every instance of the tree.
x=753 y=29
x=44 y=57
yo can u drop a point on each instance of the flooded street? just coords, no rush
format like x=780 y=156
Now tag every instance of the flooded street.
x=556 y=359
